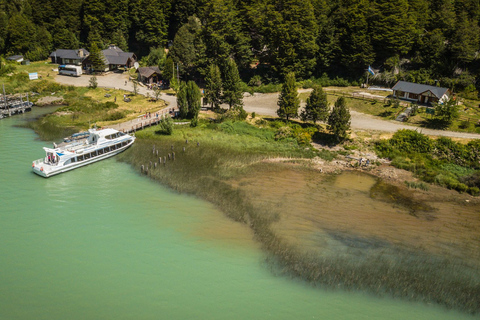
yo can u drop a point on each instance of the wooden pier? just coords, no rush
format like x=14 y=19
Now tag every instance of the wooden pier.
x=143 y=121
x=15 y=109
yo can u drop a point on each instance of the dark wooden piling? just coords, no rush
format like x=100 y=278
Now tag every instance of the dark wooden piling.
x=143 y=168
x=173 y=155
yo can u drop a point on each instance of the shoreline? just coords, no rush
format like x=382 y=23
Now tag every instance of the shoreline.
x=253 y=192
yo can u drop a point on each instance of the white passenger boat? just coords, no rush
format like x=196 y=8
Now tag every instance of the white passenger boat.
x=99 y=145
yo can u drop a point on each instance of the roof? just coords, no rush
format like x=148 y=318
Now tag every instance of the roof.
x=16 y=57
x=115 y=55
x=416 y=88
x=148 y=71
x=69 y=53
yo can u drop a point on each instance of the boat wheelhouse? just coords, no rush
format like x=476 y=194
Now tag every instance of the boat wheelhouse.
x=99 y=145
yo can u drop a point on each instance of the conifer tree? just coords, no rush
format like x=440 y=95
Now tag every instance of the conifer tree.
x=96 y=58
x=232 y=87
x=194 y=98
x=182 y=101
x=316 y=108
x=339 y=120
x=213 y=87
x=288 y=102
x=189 y=100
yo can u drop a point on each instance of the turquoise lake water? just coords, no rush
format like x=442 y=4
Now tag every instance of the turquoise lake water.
x=103 y=242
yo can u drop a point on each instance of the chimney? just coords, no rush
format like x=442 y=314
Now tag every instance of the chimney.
x=112 y=46
x=80 y=53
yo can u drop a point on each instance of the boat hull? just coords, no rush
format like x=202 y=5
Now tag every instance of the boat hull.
x=43 y=172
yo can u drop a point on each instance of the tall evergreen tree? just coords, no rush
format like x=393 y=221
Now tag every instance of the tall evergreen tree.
x=188 y=49
x=189 y=100
x=223 y=34
x=289 y=30
x=288 y=101
x=232 y=87
x=213 y=87
x=168 y=69
x=339 y=120
x=355 y=50
x=392 y=28
x=194 y=100
x=96 y=58
x=316 y=108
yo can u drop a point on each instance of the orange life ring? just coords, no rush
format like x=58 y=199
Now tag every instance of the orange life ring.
x=41 y=169
x=33 y=165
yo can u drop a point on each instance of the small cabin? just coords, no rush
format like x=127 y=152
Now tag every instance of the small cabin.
x=420 y=93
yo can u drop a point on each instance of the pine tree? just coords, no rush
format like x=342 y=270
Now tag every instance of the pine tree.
x=232 y=86
x=194 y=100
x=96 y=58
x=168 y=68
x=189 y=100
x=317 y=106
x=213 y=87
x=182 y=101
x=339 y=120
x=288 y=102
x=446 y=112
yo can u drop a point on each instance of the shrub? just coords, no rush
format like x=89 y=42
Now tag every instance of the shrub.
x=116 y=115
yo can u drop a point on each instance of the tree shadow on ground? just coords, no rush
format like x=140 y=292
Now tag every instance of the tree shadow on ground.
x=325 y=139
x=434 y=123
x=385 y=114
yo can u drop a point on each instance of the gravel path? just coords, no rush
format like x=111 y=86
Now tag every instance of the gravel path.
x=263 y=104
x=266 y=104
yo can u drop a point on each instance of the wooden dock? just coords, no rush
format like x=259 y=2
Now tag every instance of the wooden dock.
x=143 y=121
x=15 y=109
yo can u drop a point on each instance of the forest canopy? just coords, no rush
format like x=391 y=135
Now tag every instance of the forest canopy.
x=414 y=40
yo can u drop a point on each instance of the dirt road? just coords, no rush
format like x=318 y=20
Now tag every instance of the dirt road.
x=263 y=104
x=266 y=104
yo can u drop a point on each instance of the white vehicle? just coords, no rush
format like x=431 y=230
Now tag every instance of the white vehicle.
x=99 y=145
x=70 y=70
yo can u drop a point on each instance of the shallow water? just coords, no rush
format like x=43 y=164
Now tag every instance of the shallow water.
x=103 y=242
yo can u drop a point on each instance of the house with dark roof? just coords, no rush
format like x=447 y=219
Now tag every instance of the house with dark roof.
x=114 y=58
x=420 y=93
x=148 y=75
x=69 y=56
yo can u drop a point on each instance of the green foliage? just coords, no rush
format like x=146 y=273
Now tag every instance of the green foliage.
x=442 y=161
x=96 y=58
x=156 y=57
x=188 y=49
x=168 y=69
x=447 y=111
x=93 y=83
x=236 y=113
x=288 y=101
x=189 y=100
x=339 y=120
x=316 y=108
x=232 y=86
x=213 y=87
x=116 y=115
x=166 y=126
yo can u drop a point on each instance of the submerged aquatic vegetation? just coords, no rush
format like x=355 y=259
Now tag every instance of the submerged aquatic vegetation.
x=210 y=161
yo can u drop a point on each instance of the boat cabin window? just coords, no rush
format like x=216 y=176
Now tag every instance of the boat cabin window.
x=106 y=149
x=113 y=147
x=93 y=154
x=80 y=158
x=100 y=151
x=87 y=156
x=71 y=160
x=124 y=143
x=114 y=135
x=119 y=145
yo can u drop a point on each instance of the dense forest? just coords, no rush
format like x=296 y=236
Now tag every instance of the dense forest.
x=425 y=41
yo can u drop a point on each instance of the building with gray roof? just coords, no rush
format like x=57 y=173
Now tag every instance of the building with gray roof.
x=69 y=56
x=149 y=75
x=420 y=93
